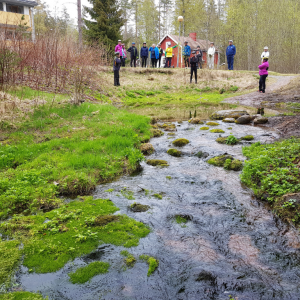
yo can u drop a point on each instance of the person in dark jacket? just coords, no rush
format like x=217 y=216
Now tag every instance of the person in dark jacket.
x=116 y=68
x=144 y=55
x=133 y=54
x=230 y=53
x=199 y=56
x=161 y=52
x=194 y=66
x=186 y=54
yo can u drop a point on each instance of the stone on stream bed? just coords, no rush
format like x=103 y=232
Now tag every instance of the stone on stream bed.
x=202 y=154
x=226 y=161
x=223 y=114
x=157 y=162
x=147 y=148
x=229 y=120
x=260 y=120
x=167 y=126
x=222 y=140
x=217 y=131
x=246 y=119
x=137 y=207
x=156 y=132
x=195 y=121
x=174 y=152
x=180 y=142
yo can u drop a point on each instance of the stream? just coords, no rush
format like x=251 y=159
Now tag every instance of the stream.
x=231 y=245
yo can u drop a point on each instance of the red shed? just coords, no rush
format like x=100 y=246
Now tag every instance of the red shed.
x=192 y=41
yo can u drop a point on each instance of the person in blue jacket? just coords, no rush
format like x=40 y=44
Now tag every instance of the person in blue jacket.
x=144 y=55
x=230 y=53
x=186 y=54
x=154 y=55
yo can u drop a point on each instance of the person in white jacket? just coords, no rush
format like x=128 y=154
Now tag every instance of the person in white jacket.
x=266 y=53
x=211 y=56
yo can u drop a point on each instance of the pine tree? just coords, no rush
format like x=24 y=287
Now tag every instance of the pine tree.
x=105 y=22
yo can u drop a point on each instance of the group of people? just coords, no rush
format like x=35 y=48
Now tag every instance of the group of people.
x=192 y=59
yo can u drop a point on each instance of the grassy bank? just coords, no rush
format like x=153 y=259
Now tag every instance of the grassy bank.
x=272 y=171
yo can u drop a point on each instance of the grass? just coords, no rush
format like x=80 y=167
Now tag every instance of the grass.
x=151 y=261
x=273 y=172
x=66 y=150
x=70 y=232
x=22 y=296
x=84 y=274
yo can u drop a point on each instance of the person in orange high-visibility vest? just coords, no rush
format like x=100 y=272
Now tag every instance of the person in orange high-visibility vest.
x=169 y=55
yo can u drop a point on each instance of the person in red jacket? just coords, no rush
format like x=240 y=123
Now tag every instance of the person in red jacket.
x=263 y=73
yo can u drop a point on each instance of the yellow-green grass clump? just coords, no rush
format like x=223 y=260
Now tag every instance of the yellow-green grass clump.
x=84 y=274
x=221 y=140
x=71 y=231
x=212 y=123
x=204 y=128
x=157 y=162
x=22 y=296
x=174 y=152
x=180 y=142
x=217 y=131
x=247 y=138
x=129 y=259
x=151 y=261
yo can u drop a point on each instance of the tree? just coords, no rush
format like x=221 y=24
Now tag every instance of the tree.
x=105 y=22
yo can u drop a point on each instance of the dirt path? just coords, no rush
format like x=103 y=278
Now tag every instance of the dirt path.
x=254 y=99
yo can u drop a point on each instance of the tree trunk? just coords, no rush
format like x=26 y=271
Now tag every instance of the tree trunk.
x=79 y=22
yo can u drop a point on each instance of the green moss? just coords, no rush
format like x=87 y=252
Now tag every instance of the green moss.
x=180 y=142
x=158 y=196
x=137 y=207
x=147 y=149
x=221 y=140
x=227 y=162
x=9 y=258
x=151 y=261
x=219 y=161
x=169 y=177
x=181 y=219
x=129 y=195
x=84 y=274
x=109 y=190
x=174 y=152
x=204 y=128
x=171 y=133
x=69 y=233
x=157 y=162
x=195 y=121
x=247 y=138
x=229 y=128
x=212 y=124
x=22 y=296
x=156 y=132
x=217 y=131
x=129 y=260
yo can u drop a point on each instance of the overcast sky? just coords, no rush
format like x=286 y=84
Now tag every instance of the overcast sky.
x=71 y=5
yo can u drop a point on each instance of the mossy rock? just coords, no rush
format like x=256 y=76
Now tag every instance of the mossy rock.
x=153 y=120
x=180 y=142
x=202 y=154
x=212 y=124
x=104 y=220
x=221 y=140
x=167 y=126
x=174 y=152
x=156 y=132
x=217 y=131
x=195 y=121
x=145 y=139
x=226 y=161
x=157 y=162
x=147 y=149
x=137 y=207
x=204 y=128
x=154 y=126
x=171 y=133
x=219 y=161
x=247 y=138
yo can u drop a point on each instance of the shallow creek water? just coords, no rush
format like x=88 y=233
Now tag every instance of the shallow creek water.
x=232 y=245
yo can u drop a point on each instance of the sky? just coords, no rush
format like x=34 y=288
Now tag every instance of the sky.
x=71 y=5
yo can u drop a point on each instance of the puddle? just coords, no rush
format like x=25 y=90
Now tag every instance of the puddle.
x=231 y=244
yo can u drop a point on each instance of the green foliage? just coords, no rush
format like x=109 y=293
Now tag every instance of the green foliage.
x=22 y=296
x=127 y=194
x=71 y=231
x=231 y=140
x=151 y=261
x=181 y=220
x=129 y=260
x=227 y=162
x=84 y=274
x=272 y=169
x=158 y=196
x=234 y=88
x=66 y=150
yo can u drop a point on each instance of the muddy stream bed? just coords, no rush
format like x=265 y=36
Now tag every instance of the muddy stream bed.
x=232 y=244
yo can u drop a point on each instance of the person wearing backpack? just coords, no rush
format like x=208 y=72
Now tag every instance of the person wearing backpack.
x=194 y=66
x=186 y=54
x=263 y=73
x=133 y=54
x=169 y=55
x=116 y=69
x=154 y=55
x=199 y=57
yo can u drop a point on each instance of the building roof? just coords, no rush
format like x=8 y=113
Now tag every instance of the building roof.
x=204 y=44
x=22 y=2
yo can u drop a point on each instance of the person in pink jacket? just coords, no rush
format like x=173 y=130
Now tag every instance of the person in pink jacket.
x=263 y=72
x=119 y=48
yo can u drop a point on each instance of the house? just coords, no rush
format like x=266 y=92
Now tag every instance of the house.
x=14 y=13
x=192 y=41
